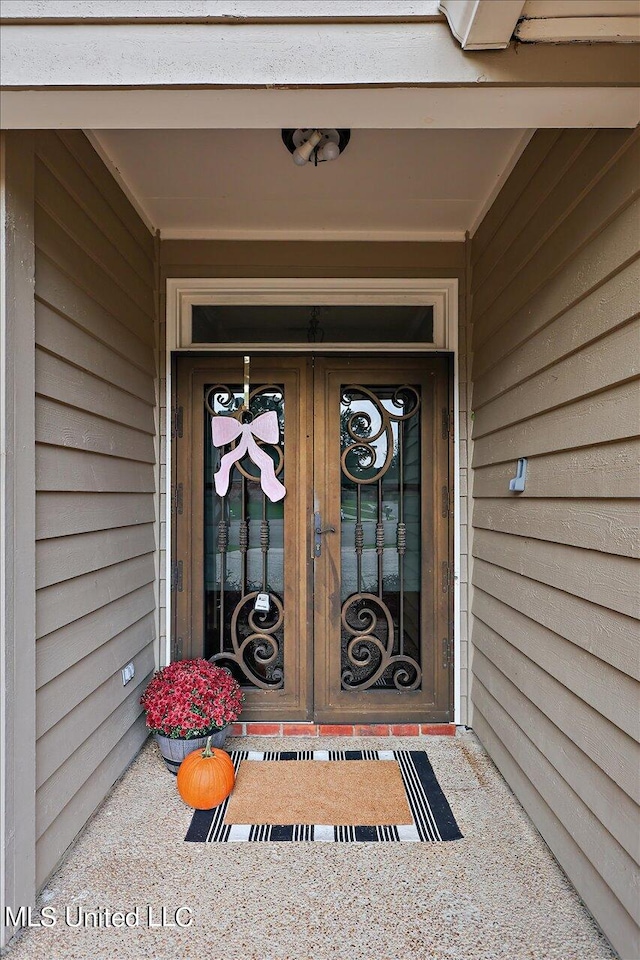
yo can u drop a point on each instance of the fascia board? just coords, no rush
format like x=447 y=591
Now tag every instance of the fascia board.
x=281 y=56
x=211 y=11
x=460 y=108
x=579 y=30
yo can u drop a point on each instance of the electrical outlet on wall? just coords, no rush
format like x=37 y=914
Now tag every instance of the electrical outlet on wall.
x=127 y=673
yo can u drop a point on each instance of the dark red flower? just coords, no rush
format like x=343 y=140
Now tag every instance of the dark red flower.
x=190 y=697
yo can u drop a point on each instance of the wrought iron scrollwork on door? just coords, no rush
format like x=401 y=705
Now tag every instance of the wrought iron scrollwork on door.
x=246 y=615
x=378 y=426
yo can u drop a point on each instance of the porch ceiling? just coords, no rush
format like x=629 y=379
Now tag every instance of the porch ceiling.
x=242 y=184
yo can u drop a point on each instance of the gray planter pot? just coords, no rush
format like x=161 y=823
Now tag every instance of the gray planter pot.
x=175 y=749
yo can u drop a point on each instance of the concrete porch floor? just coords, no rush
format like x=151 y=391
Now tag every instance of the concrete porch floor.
x=497 y=893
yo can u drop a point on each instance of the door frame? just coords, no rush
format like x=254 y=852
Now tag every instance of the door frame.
x=442 y=293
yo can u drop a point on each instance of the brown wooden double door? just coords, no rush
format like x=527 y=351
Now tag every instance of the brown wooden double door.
x=333 y=601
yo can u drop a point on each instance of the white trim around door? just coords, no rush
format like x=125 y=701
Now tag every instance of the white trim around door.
x=442 y=294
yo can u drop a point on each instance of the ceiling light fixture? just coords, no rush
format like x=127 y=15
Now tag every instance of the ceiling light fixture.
x=312 y=145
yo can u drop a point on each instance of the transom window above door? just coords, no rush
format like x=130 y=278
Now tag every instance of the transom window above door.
x=331 y=323
x=297 y=314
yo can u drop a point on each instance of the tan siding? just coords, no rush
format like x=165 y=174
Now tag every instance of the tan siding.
x=101 y=729
x=579 y=770
x=514 y=282
x=596 y=315
x=58 y=606
x=60 y=468
x=611 y=360
x=577 y=666
x=611 y=861
x=69 y=300
x=62 y=649
x=611 y=749
x=58 y=380
x=610 y=526
x=76 y=685
x=590 y=422
x=572 y=177
x=555 y=584
x=212 y=258
x=62 y=514
x=587 y=574
x=606 y=871
x=95 y=484
x=64 y=167
x=586 y=472
x=532 y=189
x=72 y=733
x=54 y=841
x=64 y=426
x=86 y=156
x=64 y=558
x=531 y=160
x=57 y=334
x=88 y=275
x=87 y=232
x=602 y=258
x=593 y=887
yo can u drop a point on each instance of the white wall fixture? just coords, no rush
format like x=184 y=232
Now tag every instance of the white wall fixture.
x=519 y=482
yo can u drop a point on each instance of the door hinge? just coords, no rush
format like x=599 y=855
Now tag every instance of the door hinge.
x=447 y=653
x=446 y=504
x=446 y=423
x=177 y=421
x=176 y=648
x=177 y=505
x=176 y=576
x=447 y=576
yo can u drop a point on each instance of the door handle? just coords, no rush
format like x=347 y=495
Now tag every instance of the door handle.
x=318 y=532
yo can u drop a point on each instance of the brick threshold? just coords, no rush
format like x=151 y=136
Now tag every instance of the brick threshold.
x=286 y=729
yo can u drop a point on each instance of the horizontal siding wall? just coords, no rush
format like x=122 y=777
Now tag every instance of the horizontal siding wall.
x=555 y=288
x=95 y=484
x=218 y=258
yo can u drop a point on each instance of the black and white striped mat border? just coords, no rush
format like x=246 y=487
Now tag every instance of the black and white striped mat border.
x=433 y=820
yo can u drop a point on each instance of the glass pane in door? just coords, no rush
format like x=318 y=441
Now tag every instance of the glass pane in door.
x=380 y=537
x=243 y=567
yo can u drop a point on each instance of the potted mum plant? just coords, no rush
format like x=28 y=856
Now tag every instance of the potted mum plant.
x=188 y=701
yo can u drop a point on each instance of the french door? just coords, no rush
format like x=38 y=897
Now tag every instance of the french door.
x=330 y=601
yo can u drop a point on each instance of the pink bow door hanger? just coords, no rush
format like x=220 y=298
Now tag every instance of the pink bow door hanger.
x=225 y=430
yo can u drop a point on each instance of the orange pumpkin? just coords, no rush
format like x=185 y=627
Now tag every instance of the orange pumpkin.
x=206 y=777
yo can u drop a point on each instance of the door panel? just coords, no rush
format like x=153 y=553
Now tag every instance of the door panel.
x=358 y=612
x=381 y=610
x=239 y=545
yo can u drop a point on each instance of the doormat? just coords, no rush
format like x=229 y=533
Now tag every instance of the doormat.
x=430 y=821
x=346 y=793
